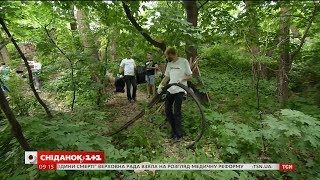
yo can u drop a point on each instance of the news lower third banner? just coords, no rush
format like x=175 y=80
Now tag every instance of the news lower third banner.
x=83 y=160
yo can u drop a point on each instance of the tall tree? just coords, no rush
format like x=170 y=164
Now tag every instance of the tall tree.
x=91 y=48
x=192 y=13
x=286 y=56
x=113 y=48
x=284 y=60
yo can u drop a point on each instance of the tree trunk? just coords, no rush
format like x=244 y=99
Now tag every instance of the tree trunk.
x=15 y=126
x=4 y=54
x=104 y=58
x=86 y=37
x=113 y=48
x=28 y=69
x=192 y=12
x=284 y=60
x=73 y=23
x=191 y=9
x=73 y=26
x=90 y=44
x=83 y=27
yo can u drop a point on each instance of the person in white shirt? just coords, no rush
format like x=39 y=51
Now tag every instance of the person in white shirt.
x=177 y=71
x=36 y=68
x=127 y=67
x=4 y=76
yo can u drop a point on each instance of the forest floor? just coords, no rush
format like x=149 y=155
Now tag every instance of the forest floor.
x=126 y=111
x=123 y=111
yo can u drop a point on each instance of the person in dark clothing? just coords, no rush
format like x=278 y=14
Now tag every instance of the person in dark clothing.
x=128 y=66
x=150 y=74
x=131 y=82
x=177 y=71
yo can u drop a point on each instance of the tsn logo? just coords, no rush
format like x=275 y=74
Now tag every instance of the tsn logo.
x=287 y=167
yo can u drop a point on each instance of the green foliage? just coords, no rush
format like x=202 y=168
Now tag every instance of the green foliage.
x=226 y=57
x=21 y=104
x=297 y=135
x=289 y=136
x=68 y=132
x=234 y=133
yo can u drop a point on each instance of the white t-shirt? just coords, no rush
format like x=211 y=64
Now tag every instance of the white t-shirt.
x=37 y=66
x=176 y=71
x=129 y=66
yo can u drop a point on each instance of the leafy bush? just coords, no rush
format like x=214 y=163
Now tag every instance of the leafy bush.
x=294 y=137
x=21 y=103
x=226 y=57
x=289 y=137
x=64 y=131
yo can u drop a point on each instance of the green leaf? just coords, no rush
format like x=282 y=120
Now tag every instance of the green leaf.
x=313 y=141
x=61 y=173
x=232 y=150
x=293 y=132
x=310 y=163
x=19 y=177
x=4 y=128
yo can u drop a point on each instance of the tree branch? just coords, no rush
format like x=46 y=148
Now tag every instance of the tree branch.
x=168 y=4
x=71 y=66
x=133 y=21
x=302 y=41
x=41 y=102
x=203 y=5
x=55 y=44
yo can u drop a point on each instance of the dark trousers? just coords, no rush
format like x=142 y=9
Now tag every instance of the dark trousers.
x=131 y=80
x=36 y=80
x=173 y=112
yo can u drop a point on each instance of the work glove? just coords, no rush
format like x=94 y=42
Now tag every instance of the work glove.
x=160 y=89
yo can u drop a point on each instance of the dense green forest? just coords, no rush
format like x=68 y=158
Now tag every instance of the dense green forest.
x=255 y=70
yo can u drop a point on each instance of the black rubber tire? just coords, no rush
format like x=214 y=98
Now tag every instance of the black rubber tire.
x=156 y=99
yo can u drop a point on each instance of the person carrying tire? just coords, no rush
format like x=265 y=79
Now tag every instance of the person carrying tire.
x=177 y=71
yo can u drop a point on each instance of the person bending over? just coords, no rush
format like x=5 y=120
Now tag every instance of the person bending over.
x=177 y=71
